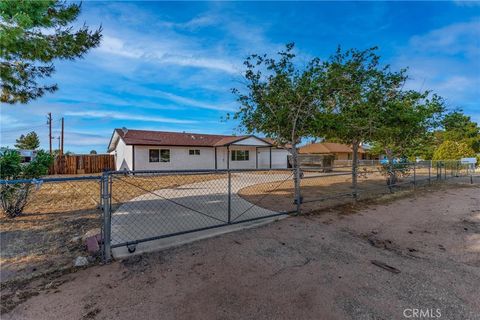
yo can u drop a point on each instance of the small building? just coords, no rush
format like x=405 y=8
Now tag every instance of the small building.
x=26 y=155
x=338 y=150
x=161 y=150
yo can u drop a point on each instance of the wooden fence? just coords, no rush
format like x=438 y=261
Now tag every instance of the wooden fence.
x=81 y=164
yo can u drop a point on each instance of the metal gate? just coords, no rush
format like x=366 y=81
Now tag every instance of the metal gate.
x=142 y=206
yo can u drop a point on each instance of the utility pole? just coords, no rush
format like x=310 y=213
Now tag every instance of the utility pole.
x=49 y=122
x=61 y=145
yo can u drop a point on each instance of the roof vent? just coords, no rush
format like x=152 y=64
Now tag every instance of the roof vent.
x=125 y=130
x=193 y=137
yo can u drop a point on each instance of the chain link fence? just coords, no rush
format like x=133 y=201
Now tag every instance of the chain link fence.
x=147 y=205
x=47 y=236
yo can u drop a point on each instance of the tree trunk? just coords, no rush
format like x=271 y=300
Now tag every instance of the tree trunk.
x=355 y=146
x=296 y=177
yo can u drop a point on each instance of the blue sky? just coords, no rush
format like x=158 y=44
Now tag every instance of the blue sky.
x=170 y=66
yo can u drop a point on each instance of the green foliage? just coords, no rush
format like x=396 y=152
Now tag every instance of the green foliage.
x=34 y=33
x=408 y=118
x=10 y=167
x=39 y=166
x=280 y=99
x=93 y=151
x=453 y=150
x=459 y=127
x=355 y=89
x=28 y=142
x=13 y=197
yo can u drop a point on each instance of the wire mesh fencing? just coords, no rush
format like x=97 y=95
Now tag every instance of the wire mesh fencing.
x=47 y=234
x=146 y=205
x=327 y=188
x=149 y=205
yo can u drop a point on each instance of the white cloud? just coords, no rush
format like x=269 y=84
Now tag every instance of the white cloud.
x=116 y=46
x=192 y=102
x=467 y=3
x=126 y=116
x=452 y=39
x=173 y=52
x=447 y=61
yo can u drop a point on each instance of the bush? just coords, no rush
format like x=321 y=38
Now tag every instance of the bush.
x=13 y=197
x=453 y=150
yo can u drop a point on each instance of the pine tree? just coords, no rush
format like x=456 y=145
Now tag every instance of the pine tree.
x=28 y=142
x=34 y=33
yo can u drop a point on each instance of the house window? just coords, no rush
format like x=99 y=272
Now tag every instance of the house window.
x=153 y=155
x=194 y=152
x=156 y=155
x=240 y=155
x=164 y=155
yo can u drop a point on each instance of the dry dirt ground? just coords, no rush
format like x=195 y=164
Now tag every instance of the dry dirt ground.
x=48 y=235
x=317 y=266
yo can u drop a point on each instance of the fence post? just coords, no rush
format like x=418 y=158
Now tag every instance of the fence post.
x=106 y=217
x=429 y=174
x=414 y=175
x=298 y=196
x=229 y=212
x=101 y=193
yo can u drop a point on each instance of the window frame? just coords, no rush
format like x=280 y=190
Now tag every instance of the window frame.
x=161 y=156
x=150 y=156
x=235 y=155
x=193 y=152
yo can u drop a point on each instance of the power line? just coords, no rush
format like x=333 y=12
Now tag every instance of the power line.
x=22 y=128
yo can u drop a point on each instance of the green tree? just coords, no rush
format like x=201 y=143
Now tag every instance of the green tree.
x=356 y=87
x=34 y=33
x=28 y=142
x=93 y=151
x=280 y=100
x=14 y=196
x=453 y=150
x=408 y=118
x=459 y=127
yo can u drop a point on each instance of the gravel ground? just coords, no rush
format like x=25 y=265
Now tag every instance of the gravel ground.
x=310 y=267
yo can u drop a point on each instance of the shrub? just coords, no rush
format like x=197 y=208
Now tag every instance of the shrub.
x=453 y=150
x=13 y=197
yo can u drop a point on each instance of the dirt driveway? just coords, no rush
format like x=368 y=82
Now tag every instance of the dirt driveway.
x=313 y=267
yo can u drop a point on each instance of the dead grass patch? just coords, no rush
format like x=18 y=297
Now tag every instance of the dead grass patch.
x=47 y=236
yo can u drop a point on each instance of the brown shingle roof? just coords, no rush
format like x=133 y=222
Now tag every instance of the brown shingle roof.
x=328 y=147
x=164 y=138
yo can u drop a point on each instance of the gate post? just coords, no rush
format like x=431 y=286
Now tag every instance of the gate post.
x=429 y=172
x=106 y=217
x=229 y=212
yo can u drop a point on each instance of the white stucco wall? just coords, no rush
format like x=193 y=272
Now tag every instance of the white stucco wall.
x=279 y=158
x=180 y=159
x=222 y=158
x=251 y=141
x=123 y=156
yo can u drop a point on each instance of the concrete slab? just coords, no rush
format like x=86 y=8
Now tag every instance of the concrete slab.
x=188 y=207
x=165 y=243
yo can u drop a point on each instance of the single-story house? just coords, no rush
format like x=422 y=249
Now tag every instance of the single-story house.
x=338 y=150
x=160 y=150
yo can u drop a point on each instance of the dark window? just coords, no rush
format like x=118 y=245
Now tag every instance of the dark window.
x=153 y=155
x=164 y=155
x=240 y=155
x=194 y=152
